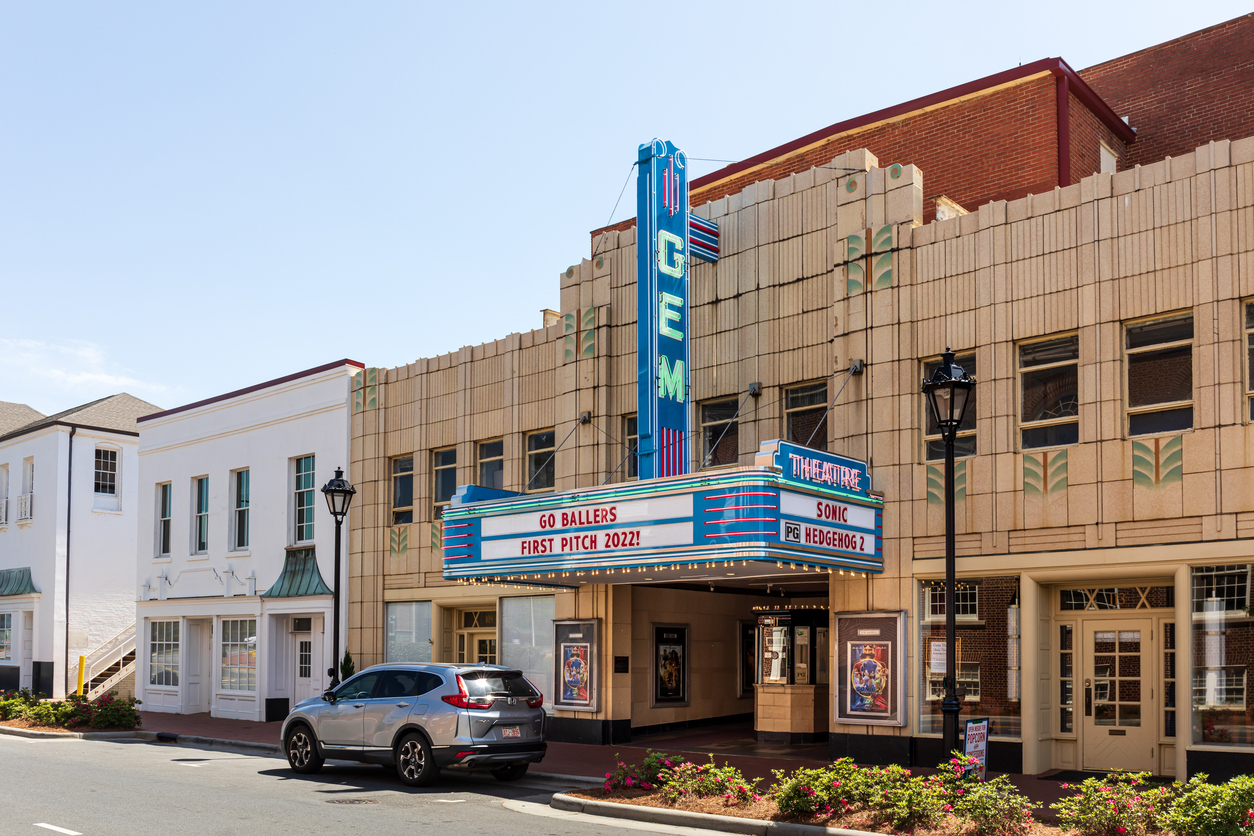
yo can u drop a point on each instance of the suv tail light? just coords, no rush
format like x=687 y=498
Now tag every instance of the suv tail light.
x=462 y=699
x=536 y=701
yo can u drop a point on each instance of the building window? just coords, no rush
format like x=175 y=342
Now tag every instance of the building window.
x=6 y=636
x=631 y=438
x=1160 y=375
x=476 y=637
x=1221 y=588
x=444 y=472
x=163 y=653
x=239 y=654
x=1249 y=358
x=1169 y=679
x=1219 y=688
x=200 y=519
x=964 y=442
x=527 y=640
x=968 y=677
x=492 y=464
x=4 y=494
x=1109 y=159
x=1066 y=678
x=165 y=504
x=106 y=482
x=720 y=433
x=304 y=499
x=966 y=602
x=402 y=490
x=805 y=414
x=239 y=519
x=1049 y=387
x=26 y=499
x=408 y=627
x=304 y=659
x=541 y=453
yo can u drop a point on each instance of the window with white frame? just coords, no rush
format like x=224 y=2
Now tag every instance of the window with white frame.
x=964 y=440
x=1049 y=413
x=165 y=509
x=492 y=464
x=1160 y=375
x=303 y=499
x=240 y=489
x=631 y=437
x=805 y=414
x=1219 y=687
x=968 y=678
x=4 y=494
x=200 y=517
x=106 y=481
x=239 y=654
x=541 y=453
x=163 y=653
x=6 y=636
x=966 y=602
x=1221 y=588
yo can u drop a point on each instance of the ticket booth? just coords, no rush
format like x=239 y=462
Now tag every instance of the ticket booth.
x=791 y=695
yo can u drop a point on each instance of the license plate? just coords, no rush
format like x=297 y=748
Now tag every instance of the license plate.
x=510 y=731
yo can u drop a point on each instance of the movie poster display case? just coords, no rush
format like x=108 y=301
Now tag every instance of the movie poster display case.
x=869 y=659
x=575 y=675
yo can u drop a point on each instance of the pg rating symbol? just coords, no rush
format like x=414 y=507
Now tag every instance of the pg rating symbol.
x=792 y=532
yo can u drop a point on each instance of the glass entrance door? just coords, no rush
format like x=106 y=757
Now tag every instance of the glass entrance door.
x=1119 y=718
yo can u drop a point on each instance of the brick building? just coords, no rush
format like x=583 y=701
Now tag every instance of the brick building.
x=1104 y=486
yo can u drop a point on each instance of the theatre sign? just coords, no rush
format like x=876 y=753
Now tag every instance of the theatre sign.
x=796 y=508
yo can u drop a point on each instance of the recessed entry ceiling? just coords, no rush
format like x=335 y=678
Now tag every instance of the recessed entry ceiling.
x=752 y=578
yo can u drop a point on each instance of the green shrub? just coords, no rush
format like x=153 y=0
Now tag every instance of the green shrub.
x=49 y=713
x=805 y=792
x=640 y=776
x=690 y=780
x=108 y=711
x=1122 y=804
x=995 y=808
x=1202 y=809
x=908 y=803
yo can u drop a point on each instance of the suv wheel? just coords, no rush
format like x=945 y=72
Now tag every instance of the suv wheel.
x=302 y=751
x=414 y=762
x=510 y=773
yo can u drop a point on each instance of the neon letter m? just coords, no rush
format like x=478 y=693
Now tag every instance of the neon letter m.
x=670 y=381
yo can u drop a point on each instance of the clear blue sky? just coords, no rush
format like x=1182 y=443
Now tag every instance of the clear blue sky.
x=196 y=197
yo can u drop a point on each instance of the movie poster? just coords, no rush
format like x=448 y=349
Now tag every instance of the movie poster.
x=575 y=665
x=868 y=684
x=869 y=678
x=670 y=664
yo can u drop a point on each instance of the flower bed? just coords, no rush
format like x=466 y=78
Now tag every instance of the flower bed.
x=108 y=713
x=951 y=802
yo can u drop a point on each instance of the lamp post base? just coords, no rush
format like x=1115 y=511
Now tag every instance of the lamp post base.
x=951 y=707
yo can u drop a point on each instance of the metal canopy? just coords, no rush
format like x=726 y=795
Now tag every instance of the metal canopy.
x=16 y=582
x=300 y=577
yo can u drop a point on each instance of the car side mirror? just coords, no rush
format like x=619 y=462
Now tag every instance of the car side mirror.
x=328 y=695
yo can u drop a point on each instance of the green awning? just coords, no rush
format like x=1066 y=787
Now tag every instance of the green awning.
x=16 y=582
x=300 y=577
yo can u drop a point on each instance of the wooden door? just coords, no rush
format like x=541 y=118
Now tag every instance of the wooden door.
x=1119 y=717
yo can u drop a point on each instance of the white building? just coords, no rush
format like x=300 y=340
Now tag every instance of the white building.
x=236 y=547
x=68 y=508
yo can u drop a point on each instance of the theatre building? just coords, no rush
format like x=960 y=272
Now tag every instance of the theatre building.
x=707 y=492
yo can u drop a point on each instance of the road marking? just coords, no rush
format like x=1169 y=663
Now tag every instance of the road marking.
x=58 y=829
x=449 y=800
x=531 y=808
x=196 y=765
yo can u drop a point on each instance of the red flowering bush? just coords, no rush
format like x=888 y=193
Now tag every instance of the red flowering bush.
x=1122 y=804
x=640 y=776
x=690 y=780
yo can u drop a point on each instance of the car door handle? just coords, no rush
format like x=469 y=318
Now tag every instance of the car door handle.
x=358 y=705
x=402 y=704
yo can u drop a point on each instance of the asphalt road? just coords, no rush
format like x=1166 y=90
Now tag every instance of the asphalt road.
x=134 y=788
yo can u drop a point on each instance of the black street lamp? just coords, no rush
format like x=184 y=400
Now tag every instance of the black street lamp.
x=948 y=392
x=339 y=493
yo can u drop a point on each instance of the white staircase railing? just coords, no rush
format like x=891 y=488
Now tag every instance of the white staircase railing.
x=113 y=651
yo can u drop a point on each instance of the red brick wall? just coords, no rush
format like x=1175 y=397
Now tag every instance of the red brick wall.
x=1183 y=93
x=1086 y=132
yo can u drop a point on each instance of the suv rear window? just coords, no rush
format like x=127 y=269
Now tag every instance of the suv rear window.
x=483 y=683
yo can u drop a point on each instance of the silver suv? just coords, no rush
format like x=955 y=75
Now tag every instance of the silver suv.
x=422 y=718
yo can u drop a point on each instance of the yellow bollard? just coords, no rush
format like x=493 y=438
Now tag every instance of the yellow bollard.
x=82 y=663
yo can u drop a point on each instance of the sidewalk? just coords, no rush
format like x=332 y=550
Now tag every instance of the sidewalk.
x=574 y=758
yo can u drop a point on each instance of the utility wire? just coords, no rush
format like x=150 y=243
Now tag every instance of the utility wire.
x=848 y=376
x=621 y=192
x=552 y=455
x=727 y=427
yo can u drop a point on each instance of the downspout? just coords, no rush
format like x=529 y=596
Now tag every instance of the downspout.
x=1064 y=131
x=69 y=520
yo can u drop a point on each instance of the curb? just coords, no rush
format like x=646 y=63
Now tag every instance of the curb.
x=582 y=782
x=198 y=740
x=66 y=735
x=683 y=818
